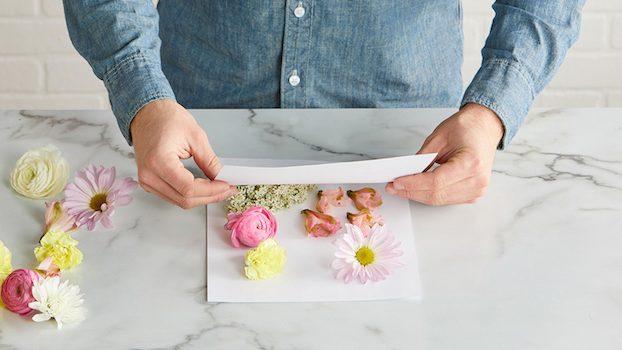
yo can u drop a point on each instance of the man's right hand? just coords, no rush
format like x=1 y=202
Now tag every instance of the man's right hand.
x=163 y=133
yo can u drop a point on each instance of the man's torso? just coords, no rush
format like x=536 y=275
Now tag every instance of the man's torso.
x=236 y=53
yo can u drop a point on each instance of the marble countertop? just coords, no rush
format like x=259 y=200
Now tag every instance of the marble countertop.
x=536 y=264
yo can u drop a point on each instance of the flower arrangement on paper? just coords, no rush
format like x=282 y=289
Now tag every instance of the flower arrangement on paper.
x=92 y=198
x=365 y=251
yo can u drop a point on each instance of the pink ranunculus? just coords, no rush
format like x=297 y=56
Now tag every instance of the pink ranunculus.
x=332 y=197
x=251 y=227
x=365 y=220
x=17 y=291
x=366 y=198
x=319 y=224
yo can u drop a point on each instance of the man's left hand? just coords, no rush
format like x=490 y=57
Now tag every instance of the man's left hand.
x=466 y=144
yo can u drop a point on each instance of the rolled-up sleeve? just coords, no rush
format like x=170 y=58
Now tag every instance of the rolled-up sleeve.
x=527 y=43
x=120 y=41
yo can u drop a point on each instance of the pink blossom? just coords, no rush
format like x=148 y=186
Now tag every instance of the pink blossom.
x=365 y=220
x=95 y=194
x=319 y=224
x=366 y=198
x=333 y=197
x=17 y=291
x=57 y=219
x=251 y=227
x=47 y=268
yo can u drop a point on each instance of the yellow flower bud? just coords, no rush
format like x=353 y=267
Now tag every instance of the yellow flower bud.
x=61 y=247
x=5 y=265
x=265 y=261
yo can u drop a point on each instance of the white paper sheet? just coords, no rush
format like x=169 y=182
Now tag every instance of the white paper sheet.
x=308 y=275
x=356 y=172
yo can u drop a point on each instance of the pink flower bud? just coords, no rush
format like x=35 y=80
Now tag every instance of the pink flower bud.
x=365 y=220
x=320 y=224
x=251 y=227
x=366 y=198
x=327 y=198
x=17 y=291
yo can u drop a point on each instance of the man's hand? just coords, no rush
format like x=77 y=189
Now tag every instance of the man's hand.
x=163 y=133
x=466 y=143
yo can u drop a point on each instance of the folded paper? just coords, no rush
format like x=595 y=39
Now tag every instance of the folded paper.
x=356 y=172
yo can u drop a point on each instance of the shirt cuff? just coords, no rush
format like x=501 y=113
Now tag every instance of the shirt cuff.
x=131 y=84
x=501 y=86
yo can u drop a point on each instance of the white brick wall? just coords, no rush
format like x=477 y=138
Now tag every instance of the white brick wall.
x=40 y=69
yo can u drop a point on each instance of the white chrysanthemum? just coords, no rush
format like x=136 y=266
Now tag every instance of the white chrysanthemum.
x=60 y=301
x=40 y=173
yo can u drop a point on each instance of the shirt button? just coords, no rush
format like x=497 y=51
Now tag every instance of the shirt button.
x=299 y=11
x=294 y=79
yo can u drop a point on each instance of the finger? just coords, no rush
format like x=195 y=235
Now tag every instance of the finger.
x=205 y=157
x=172 y=171
x=173 y=197
x=157 y=193
x=465 y=191
x=169 y=168
x=454 y=170
x=202 y=187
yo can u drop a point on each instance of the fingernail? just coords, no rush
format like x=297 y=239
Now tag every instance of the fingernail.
x=398 y=186
x=390 y=189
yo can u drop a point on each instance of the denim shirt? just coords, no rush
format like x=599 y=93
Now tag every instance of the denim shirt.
x=318 y=53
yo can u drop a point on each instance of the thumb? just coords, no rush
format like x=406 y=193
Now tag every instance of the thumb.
x=205 y=157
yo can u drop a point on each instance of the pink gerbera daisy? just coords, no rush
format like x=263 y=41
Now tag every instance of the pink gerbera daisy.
x=364 y=259
x=95 y=194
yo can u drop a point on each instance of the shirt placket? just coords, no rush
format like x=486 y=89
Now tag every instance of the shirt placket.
x=294 y=63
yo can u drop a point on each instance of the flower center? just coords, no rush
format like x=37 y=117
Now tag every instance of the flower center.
x=97 y=201
x=365 y=256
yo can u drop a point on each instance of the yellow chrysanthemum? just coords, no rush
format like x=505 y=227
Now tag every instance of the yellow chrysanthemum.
x=265 y=261
x=61 y=247
x=5 y=264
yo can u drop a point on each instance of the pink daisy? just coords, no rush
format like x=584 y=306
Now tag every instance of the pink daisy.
x=95 y=194
x=370 y=258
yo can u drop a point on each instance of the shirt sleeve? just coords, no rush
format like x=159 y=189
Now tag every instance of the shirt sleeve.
x=527 y=43
x=120 y=41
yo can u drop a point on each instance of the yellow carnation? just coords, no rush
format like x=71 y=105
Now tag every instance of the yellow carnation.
x=61 y=247
x=40 y=173
x=5 y=265
x=265 y=261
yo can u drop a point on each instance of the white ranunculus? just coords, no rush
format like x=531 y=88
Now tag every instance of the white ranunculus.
x=40 y=173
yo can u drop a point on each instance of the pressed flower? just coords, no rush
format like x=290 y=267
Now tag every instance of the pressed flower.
x=265 y=261
x=5 y=265
x=365 y=259
x=95 y=194
x=251 y=227
x=57 y=219
x=61 y=247
x=366 y=198
x=17 y=291
x=331 y=197
x=40 y=173
x=60 y=301
x=365 y=220
x=319 y=224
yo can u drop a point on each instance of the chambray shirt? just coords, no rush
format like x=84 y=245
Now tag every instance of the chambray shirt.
x=318 y=53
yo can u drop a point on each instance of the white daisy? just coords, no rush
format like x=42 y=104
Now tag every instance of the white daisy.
x=60 y=301
x=365 y=259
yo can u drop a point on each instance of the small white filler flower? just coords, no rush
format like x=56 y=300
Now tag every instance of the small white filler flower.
x=60 y=301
